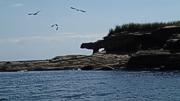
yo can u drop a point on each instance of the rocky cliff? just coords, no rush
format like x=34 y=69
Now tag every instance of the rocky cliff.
x=129 y=42
x=150 y=46
x=154 y=60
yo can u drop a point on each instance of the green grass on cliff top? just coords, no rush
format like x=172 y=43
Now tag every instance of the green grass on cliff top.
x=145 y=27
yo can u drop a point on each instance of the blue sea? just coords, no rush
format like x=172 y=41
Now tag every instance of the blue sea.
x=89 y=86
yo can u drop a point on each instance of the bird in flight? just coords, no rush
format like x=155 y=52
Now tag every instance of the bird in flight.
x=36 y=13
x=78 y=9
x=55 y=25
x=83 y=11
x=72 y=8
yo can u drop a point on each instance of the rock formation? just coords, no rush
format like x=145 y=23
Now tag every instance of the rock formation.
x=98 y=61
x=150 y=46
x=154 y=60
x=125 y=42
x=132 y=46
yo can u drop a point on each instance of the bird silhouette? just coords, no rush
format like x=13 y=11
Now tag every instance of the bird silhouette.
x=57 y=28
x=55 y=25
x=76 y=9
x=36 y=13
x=83 y=11
x=72 y=8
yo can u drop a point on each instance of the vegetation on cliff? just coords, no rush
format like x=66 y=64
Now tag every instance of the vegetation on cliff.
x=141 y=27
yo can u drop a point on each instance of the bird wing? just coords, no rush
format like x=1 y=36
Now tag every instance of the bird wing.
x=77 y=10
x=82 y=11
x=73 y=8
x=57 y=28
x=30 y=14
x=36 y=13
x=52 y=25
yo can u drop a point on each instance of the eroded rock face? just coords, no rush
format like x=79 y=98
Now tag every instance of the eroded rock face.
x=95 y=46
x=157 y=38
x=90 y=45
x=173 y=45
x=150 y=60
x=126 y=43
x=160 y=48
x=130 y=42
x=115 y=44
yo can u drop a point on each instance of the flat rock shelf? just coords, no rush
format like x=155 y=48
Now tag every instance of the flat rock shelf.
x=98 y=61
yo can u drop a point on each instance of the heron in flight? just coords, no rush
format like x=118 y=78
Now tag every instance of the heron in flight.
x=55 y=25
x=36 y=13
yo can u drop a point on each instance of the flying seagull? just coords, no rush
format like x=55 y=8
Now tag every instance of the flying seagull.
x=34 y=13
x=55 y=25
x=72 y=8
x=83 y=11
x=78 y=9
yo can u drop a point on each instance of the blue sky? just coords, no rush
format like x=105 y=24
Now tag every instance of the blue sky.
x=24 y=37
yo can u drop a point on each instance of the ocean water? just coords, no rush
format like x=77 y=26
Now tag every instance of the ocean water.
x=89 y=86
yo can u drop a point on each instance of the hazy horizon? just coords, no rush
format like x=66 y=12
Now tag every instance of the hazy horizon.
x=30 y=37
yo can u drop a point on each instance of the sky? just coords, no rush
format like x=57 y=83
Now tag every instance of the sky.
x=25 y=37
